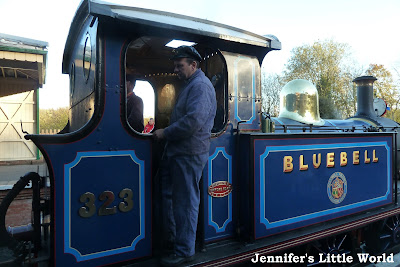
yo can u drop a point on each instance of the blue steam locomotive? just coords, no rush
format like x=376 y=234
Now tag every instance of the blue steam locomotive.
x=294 y=183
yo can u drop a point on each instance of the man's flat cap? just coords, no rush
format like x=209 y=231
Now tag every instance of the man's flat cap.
x=186 y=51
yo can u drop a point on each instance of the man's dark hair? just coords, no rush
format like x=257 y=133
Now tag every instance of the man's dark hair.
x=190 y=60
x=130 y=77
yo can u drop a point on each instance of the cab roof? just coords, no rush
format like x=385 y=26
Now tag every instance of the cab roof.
x=164 y=20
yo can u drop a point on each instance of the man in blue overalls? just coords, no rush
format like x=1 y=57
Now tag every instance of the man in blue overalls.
x=186 y=153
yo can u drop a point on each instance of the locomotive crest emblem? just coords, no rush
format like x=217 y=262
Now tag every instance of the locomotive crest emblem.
x=337 y=187
x=220 y=189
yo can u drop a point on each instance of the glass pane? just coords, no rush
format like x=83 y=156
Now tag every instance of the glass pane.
x=87 y=57
x=145 y=92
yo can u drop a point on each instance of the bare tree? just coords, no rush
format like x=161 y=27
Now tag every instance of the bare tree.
x=271 y=86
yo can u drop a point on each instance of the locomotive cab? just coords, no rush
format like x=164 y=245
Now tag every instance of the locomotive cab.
x=104 y=172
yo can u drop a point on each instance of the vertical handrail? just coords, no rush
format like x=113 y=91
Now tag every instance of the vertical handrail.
x=37 y=234
x=396 y=168
x=236 y=181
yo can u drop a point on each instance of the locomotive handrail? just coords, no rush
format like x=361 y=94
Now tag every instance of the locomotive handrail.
x=5 y=237
x=396 y=168
x=331 y=128
x=238 y=124
x=22 y=129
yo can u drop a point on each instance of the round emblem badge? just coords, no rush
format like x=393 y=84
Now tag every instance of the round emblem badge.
x=337 y=187
x=220 y=189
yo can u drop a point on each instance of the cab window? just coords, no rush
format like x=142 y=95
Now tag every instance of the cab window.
x=148 y=60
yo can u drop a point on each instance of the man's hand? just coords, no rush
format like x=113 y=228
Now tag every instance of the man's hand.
x=158 y=135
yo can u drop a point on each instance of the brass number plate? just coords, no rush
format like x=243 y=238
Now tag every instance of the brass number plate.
x=107 y=197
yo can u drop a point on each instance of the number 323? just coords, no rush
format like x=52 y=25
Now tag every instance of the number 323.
x=108 y=197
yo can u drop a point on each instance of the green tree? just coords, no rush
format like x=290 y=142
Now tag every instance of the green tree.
x=330 y=67
x=50 y=119
x=386 y=89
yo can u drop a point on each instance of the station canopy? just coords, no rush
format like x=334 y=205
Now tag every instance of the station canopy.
x=22 y=64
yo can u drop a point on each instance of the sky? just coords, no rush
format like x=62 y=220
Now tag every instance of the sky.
x=369 y=27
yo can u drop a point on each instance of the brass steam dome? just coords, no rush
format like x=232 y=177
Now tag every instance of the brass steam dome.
x=299 y=102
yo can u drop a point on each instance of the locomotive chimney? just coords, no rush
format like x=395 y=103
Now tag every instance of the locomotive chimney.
x=365 y=96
